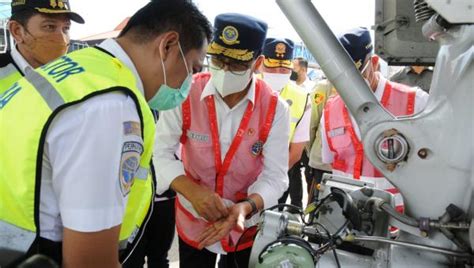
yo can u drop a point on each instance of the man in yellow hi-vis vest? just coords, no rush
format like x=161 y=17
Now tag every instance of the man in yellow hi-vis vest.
x=276 y=72
x=77 y=137
x=40 y=29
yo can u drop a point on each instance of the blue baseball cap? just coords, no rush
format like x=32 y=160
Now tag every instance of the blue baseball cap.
x=278 y=52
x=358 y=44
x=238 y=37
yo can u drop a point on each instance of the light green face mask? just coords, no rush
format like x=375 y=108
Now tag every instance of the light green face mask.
x=166 y=97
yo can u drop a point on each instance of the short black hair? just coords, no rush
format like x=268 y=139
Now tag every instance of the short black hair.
x=160 y=16
x=302 y=62
x=23 y=16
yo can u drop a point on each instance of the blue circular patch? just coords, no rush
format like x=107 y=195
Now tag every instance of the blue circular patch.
x=230 y=35
x=257 y=148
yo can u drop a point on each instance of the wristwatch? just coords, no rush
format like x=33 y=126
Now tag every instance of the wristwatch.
x=253 y=205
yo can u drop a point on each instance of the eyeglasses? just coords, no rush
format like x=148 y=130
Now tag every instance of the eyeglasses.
x=236 y=68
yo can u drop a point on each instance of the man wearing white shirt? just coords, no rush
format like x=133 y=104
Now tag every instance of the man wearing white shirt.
x=234 y=131
x=41 y=33
x=81 y=155
x=300 y=74
x=340 y=136
x=276 y=72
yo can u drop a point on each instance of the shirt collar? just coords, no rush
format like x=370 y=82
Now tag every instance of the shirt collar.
x=20 y=60
x=112 y=46
x=380 y=86
x=306 y=81
x=210 y=89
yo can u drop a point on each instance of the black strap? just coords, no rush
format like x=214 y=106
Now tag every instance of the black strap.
x=105 y=51
x=48 y=248
x=304 y=110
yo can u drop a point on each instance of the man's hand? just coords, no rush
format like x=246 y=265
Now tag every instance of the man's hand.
x=206 y=202
x=221 y=228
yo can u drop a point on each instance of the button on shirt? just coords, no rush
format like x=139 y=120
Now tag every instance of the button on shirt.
x=327 y=155
x=273 y=180
x=80 y=187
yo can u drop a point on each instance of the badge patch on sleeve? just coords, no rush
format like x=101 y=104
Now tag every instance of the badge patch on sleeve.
x=318 y=98
x=129 y=163
x=132 y=128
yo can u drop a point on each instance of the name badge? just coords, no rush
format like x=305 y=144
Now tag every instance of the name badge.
x=198 y=136
x=337 y=132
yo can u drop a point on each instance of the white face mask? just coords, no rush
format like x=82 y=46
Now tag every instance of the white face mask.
x=276 y=81
x=227 y=83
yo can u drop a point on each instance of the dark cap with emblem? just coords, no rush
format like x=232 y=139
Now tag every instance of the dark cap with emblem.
x=46 y=7
x=237 y=37
x=278 y=52
x=358 y=44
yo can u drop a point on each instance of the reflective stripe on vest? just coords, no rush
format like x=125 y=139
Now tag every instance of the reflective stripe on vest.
x=7 y=71
x=297 y=100
x=45 y=89
x=67 y=81
x=8 y=75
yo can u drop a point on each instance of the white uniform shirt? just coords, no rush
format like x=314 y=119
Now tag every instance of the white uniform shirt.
x=20 y=60
x=271 y=183
x=307 y=85
x=302 y=129
x=81 y=187
x=421 y=100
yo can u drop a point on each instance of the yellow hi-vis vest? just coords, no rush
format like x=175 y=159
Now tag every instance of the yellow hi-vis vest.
x=26 y=112
x=297 y=99
x=9 y=72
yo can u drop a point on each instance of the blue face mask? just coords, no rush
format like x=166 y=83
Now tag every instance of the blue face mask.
x=166 y=97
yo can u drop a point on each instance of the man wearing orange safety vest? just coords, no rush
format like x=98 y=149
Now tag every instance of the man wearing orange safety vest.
x=234 y=132
x=340 y=135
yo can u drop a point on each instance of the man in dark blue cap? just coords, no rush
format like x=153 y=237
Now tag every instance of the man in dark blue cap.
x=341 y=145
x=276 y=71
x=41 y=32
x=234 y=132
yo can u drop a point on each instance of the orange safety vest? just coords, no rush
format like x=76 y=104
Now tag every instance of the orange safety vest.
x=201 y=155
x=347 y=147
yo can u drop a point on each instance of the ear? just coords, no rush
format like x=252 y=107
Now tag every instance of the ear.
x=16 y=30
x=258 y=63
x=165 y=42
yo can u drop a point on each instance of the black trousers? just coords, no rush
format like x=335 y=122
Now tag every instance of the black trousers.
x=190 y=257
x=157 y=239
x=295 y=188
x=317 y=176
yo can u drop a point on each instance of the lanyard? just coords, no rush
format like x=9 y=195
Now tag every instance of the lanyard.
x=223 y=167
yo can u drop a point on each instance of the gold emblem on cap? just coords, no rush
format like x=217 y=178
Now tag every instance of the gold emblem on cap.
x=280 y=50
x=18 y=2
x=230 y=35
x=358 y=64
x=56 y=3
